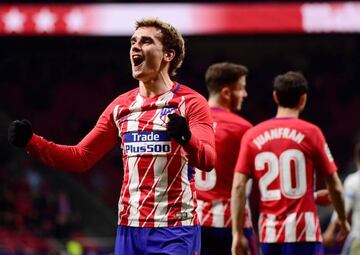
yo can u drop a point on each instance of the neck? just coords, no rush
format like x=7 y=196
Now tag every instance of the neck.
x=283 y=112
x=215 y=101
x=161 y=84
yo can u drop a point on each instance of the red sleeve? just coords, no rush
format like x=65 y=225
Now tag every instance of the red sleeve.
x=201 y=147
x=324 y=161
x=82 y=156
x=244 y=163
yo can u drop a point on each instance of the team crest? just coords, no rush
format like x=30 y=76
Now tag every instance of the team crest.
x=164 y=113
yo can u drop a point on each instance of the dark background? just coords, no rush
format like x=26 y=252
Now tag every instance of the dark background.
x=62 y=84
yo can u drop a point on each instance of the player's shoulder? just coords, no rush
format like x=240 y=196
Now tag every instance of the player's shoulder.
x=230 y=118
x=292 y=123
x=184 y=90
x=307 y=125
x=126 y=97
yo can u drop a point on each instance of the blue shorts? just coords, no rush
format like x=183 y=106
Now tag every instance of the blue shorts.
x=167 y=241
x=216 y=241
x=300 y=248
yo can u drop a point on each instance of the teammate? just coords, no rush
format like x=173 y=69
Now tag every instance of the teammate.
x=282 y=155
x=226 y=83
x=165 y=130
x=352 y=207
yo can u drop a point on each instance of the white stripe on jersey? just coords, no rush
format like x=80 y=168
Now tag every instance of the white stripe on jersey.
x=140 y=184
x=290 y=228
x=183 y=164
x=162 y=215
x=270 y=231
x=187 y=205
x=133 y=123
x=161 y=192
x=134 y=192
x=133 y=118
x=181 y=106
x=310 y=227
x=297 y=227
x=199 y=210
x=218 y=213
x=120 y=204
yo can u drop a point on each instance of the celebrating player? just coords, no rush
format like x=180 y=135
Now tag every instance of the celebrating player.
x=226 y=83
x=282 y=155
x=165 y=130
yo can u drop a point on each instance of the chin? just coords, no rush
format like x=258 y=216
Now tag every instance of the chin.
x=136 y=75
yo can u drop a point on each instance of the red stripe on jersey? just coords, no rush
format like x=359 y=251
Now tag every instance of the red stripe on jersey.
x=156 y=191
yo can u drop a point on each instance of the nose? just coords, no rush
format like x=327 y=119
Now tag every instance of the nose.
x=245 y=94
x=135 y=46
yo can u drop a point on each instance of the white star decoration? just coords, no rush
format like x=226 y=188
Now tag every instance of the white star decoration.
x=45 y=20
x=14 y=21
x=75 y=21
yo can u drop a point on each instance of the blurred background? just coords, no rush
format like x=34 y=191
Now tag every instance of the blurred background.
x=62 y=63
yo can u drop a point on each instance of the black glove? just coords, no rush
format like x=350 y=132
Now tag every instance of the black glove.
x=20 y=133
x=178 y=128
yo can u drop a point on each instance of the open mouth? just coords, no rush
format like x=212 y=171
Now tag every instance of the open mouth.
x=137 y=60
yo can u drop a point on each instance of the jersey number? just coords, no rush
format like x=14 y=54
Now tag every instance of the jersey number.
x=282 y=167
x=206 y=183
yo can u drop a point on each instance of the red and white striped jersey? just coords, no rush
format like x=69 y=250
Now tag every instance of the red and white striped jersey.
x=214 y=188
x=283 y=155
x=158 y=187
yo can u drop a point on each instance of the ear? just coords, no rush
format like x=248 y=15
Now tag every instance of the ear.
x=225 y=93
x=275 y=97
x=169 y=55
x=302 y=102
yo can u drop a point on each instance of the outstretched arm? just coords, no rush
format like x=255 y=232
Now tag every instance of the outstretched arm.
x=79 y=157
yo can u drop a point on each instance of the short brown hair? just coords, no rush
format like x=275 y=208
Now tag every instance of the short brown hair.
x=171 y=39
x=223 y=74
x=289 y=87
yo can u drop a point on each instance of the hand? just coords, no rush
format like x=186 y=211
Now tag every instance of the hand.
x=329 y=235
x=20 y=133
x=344 y=228
x=178 y=128
x=239 y=245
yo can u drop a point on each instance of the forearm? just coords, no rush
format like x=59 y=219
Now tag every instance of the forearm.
x=238 y=197
x=201 y=154
x=76 y=158
x=336 y=193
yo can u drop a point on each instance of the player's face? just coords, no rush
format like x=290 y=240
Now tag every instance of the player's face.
x=238 y=94
x=146 y=53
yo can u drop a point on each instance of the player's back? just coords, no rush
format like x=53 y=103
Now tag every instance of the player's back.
x=214 y=188
x=282 y=155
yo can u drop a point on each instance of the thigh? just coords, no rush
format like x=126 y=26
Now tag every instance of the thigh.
x=130 y=240
x=174 y=240
x=215 y=241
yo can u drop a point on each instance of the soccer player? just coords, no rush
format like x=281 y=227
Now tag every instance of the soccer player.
x=352 y=207
x=226 y=83
x=282 y=155
x=165 y=130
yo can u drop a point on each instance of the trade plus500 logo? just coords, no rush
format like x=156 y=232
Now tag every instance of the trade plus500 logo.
x=154 y=142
